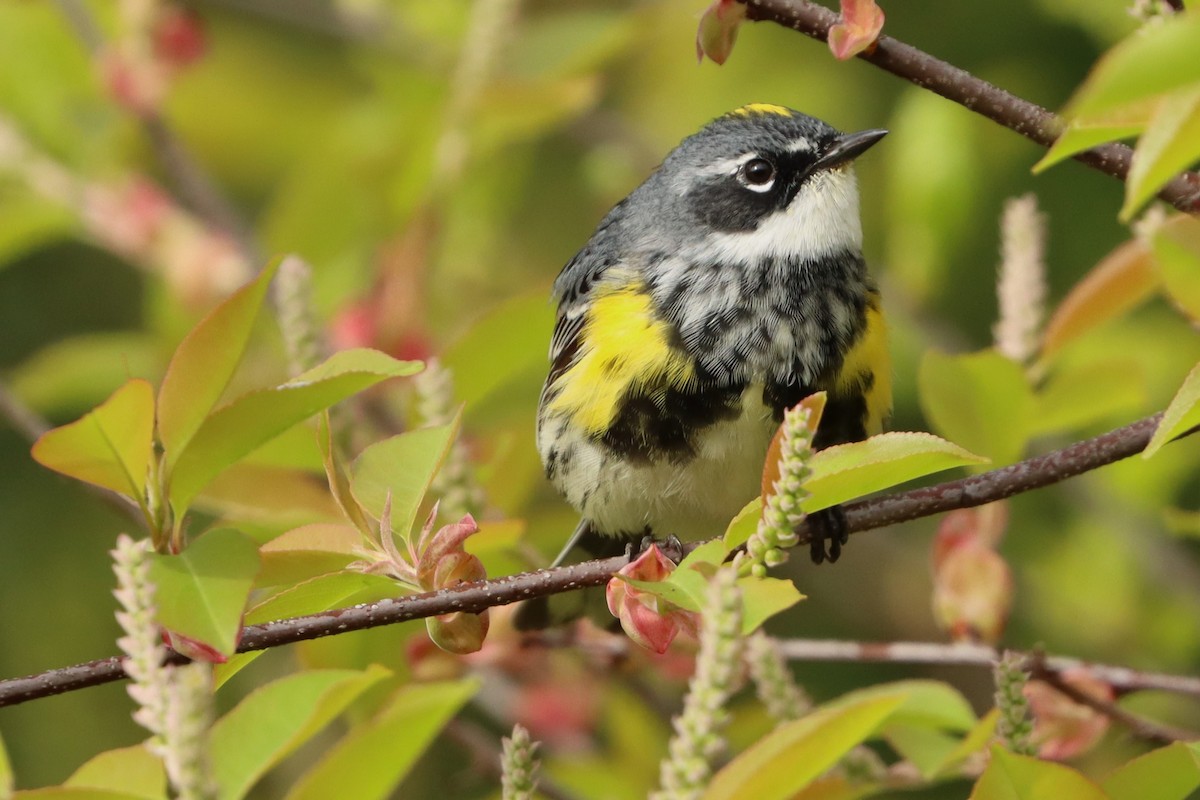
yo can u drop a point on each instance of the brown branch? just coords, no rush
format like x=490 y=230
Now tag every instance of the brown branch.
x=863 y=515
x=1139 y=726
x=1023 y=117
x=1122 y=679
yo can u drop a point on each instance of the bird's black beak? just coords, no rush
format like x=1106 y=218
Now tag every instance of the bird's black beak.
x=847 y=147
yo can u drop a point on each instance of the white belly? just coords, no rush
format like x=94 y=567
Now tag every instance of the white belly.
x=692 y=500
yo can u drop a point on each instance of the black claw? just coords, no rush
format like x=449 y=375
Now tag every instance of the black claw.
x=827 y=528
x=672 y=548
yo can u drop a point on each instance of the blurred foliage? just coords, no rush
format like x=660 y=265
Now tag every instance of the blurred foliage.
x=436 y=164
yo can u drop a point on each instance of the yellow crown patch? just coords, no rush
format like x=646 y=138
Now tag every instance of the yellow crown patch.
x=754 y=109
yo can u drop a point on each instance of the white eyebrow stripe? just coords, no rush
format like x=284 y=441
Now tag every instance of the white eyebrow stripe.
x=800 y=146
x=728 y=166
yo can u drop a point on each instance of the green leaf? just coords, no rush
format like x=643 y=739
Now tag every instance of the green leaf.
x=927 y=703
x=1169 y=773
x=275 y=719
x=976 y=740
x=204 y=362
x=110 y=446
x=402 y=466
x=308 y=551
x=6 y=773
x=1156 y=59
x=743 y=526
x=30 y=222
x=508 y=342
x=763 y=598
x=1012 y=777
x=925 y=748
x=1169 y=145
x=795 y=753
x=127 y=769
x=76 y=793
x=846 y=471
x=376 y=755
x=1183 y=413
x=334 y=590
x=1081 y=395
x=1085 y=133
x=202 y=591
x=981 y=400
x=255 y=418
x=1176 y=246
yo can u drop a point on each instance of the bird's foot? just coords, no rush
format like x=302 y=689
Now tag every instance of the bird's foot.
x=827 y=531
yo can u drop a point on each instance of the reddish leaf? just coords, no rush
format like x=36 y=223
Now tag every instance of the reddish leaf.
x=859 y=27
x=1122 y=280
x=718 y=29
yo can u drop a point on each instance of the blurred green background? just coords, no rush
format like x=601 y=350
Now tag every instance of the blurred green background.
x=437 y=164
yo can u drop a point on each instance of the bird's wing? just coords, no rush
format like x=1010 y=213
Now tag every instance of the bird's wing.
x=572 y=288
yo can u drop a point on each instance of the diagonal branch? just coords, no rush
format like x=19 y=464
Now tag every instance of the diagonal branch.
x=864 y=515
x=1023 y=117
x=197 y=191
x=1139 y=726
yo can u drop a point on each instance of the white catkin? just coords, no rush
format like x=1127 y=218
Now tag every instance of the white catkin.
x=697 y=740
x=1021 y=286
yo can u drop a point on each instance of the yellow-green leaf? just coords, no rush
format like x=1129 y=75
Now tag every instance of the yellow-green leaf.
x=795 y=753
x=981 y=400
x=202 y=591
x=400 y=467
x=1080 y=395
x=376 y=755
x=1012 y=777
x=6 y=774
x=255 y=418
x=1122 y=280
x=1085 y=133
x=1154 y=60
x=743 y=526
x=204 y=362
x=308 y=551
x=1168 y=773
x=332 y=590
x=846 y=471
x=110 y=446
x=1169 y=145
x=273 y=720
x=1183 y=413
x=134 y=770
x=1177 y=253
x=763 y=598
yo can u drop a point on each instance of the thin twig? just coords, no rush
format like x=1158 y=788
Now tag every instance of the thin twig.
x=1023 y=117
x=1122 y=679
x=864 y=515
x=197 y=191
x=23 y=419
x=1139 y=726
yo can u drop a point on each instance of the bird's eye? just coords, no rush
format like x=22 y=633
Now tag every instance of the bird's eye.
x=757 y=174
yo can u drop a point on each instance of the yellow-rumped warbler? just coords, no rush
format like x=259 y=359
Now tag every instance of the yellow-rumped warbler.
x=723 y=290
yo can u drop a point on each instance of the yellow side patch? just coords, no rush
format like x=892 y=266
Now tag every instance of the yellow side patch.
x=870 y=356
x=761 y=108
x=624 y=347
